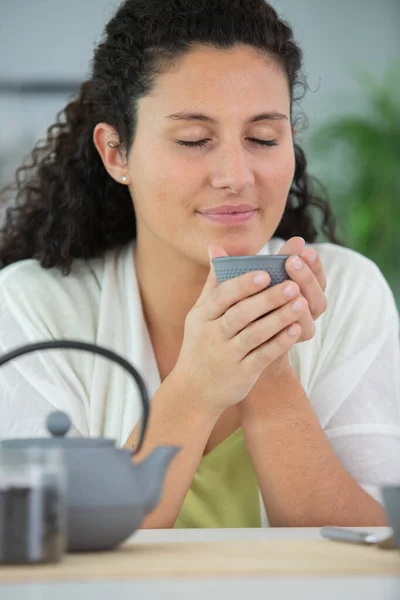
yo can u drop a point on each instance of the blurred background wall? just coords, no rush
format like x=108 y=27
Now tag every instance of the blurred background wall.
x=46 y=47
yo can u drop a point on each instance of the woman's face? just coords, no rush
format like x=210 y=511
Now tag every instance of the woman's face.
x=219 y=97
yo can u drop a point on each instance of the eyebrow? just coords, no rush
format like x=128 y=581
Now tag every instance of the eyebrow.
x=190 y=116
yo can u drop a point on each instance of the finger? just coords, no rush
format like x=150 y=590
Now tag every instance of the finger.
x=232 y=291
x=310 y=288
x=307 y=325
x=311 y=258
x=267 y=327
x=254 y=307
x=265 y=353
x=294 y=245
x=216 y=252
x=260 y=358
x=211 y=281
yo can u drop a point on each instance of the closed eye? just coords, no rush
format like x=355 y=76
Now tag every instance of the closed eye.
x=204 y=142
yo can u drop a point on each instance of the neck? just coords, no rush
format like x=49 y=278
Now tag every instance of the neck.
x=170 y=284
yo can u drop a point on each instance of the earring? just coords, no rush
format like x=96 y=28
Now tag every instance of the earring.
x=123 y=179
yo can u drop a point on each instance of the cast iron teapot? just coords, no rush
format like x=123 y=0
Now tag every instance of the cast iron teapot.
x=107 y=495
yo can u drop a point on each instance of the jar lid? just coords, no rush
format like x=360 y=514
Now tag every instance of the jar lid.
x=58 y=424
x=29 y=454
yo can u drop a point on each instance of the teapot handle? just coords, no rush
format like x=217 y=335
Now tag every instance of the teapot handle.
x=77 y=345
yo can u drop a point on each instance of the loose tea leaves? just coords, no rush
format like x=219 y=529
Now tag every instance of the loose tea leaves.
x=30 y=524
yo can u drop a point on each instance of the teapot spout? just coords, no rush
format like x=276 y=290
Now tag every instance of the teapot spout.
x=151 y=473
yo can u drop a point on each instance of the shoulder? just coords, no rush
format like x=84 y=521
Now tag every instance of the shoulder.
x=27 y=282
x=338 y=261
x=357 y=288
x=361 y=310
x=354 y=282
x=59 y=305
x=341 y=263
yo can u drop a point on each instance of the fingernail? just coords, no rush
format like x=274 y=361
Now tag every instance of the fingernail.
x=297 y=305
x=261 y=278
x=297 y=264
x=312 y=256
x=289 y=290
x=293 y=330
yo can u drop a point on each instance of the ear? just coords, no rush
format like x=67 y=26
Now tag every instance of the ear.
x=106 y=140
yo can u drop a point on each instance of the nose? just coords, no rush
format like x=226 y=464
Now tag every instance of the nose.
x=231 y=167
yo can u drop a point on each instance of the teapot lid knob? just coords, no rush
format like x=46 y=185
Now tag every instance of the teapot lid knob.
x=58 y=423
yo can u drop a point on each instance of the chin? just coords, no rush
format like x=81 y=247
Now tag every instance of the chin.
x=242 y=247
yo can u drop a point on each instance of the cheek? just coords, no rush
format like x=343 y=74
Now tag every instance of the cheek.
x=278 y=172
x=162 y=173
x=162 y=189
x=173 y=190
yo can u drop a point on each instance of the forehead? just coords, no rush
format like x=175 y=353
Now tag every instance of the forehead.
x=214 y=79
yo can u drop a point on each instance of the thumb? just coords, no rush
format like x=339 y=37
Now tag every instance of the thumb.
x=212 y=281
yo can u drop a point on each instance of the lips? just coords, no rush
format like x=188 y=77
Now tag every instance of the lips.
x=228 y=209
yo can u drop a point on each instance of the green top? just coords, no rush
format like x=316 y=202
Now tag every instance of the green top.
x=224 y=490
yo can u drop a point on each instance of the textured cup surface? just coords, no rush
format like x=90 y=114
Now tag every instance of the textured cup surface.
x=228 y=267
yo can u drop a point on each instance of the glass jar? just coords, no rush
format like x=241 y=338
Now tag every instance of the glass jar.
x=32 y=505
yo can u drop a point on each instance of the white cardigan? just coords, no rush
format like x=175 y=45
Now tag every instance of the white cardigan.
x=350 y=370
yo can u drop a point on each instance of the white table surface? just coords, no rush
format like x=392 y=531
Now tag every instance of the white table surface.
x=280 y=588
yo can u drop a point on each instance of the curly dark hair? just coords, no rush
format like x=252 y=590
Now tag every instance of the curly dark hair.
x=66 y=205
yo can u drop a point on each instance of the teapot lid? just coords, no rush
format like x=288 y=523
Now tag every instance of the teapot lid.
x=58 y=424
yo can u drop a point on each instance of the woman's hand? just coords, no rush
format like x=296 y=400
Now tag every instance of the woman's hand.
x=233 y=332
x=312 y=282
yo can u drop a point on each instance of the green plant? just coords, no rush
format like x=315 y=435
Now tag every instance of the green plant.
x=359 y=165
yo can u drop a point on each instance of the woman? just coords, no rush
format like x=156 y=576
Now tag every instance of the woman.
x=282 y=421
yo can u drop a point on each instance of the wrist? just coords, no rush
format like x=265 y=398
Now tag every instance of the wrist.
x=273 y=397
x=189 y=398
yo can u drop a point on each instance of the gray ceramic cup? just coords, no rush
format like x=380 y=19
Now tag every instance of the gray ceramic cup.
x=228 y=267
